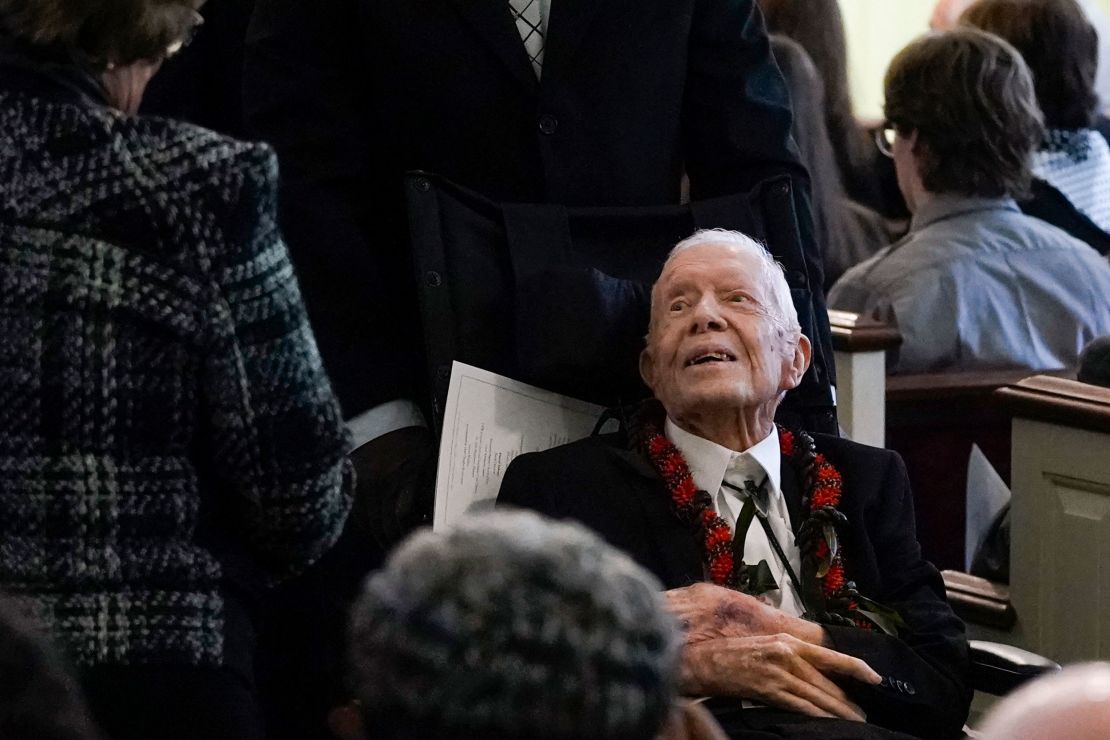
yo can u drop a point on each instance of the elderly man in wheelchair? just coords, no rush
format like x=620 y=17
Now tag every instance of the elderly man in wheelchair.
x=791 y=559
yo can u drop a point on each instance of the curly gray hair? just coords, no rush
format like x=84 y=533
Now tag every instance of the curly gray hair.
x=511 y=625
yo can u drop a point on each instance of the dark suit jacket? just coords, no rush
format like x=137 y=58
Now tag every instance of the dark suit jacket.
x=600 y=483
x=353 y=93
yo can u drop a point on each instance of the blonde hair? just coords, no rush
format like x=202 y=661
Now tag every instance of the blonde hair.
x=100 y=32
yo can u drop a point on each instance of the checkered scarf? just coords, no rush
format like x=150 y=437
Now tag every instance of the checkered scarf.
x=1077 y=163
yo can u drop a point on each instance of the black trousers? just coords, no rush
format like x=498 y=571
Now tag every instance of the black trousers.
x=300 y=662
x=173 y=702
x=769 y=724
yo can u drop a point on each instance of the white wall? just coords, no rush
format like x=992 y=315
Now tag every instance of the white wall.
x=877 y=29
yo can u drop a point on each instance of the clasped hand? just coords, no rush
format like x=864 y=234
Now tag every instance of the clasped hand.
x=738 y=646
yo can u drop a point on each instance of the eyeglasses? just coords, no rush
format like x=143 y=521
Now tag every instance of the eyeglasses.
x=190 y=33
x=884 y=138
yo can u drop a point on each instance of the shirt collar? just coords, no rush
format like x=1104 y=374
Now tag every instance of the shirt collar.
x=941 y=207
x=709 y=461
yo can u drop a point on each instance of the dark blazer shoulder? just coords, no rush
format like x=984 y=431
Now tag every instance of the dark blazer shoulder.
x=564 y=478
x=868 y=471
x=600 y=448
x=847 y=451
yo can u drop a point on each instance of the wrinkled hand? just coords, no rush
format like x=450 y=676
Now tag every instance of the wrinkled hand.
x=396 y=484
x=778 y=670
x=707 y=611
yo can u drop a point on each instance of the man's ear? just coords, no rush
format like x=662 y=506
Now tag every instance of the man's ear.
x=798 y=364
x=917 y=147
x=647 y=368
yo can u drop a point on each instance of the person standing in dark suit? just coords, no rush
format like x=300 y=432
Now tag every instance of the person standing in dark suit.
x=819 y=606
x=568 y=101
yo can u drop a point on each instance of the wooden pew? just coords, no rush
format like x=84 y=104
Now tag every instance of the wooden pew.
x=1060 y=538
x=859 y=347
x=932 y=420
x=985 y=606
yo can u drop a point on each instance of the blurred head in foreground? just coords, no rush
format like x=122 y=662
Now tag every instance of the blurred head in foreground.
x=512 y=626
x=1073 y=704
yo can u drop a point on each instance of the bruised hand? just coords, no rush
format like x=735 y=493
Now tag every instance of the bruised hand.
x=707 y=611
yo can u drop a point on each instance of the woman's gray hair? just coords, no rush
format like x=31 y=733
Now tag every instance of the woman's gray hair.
x=512 y=625
x=772 y=275
x=100 y=32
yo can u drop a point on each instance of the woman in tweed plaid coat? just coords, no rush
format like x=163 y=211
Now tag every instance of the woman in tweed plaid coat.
x=169 y=442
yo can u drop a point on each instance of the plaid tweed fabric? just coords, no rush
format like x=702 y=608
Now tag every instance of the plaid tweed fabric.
x=162 y=401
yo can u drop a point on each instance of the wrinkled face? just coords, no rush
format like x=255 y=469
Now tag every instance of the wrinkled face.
x=714 y=345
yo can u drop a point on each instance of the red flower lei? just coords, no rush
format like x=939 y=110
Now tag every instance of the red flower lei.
x=823 y=489
x=827 y=488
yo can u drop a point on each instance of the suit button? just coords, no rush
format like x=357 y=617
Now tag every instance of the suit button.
x=548 y=124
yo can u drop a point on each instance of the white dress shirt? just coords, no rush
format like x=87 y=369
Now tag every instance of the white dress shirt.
x=709 y=463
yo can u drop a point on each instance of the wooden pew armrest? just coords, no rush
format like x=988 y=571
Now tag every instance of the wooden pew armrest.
x=853 y=333
x=1059 y=400
x=978 y=600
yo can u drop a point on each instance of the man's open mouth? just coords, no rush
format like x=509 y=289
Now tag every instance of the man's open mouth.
x=705 y=358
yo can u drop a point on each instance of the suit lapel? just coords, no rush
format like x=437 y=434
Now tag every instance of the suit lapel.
x=565 y=30
x=492 y=20
x=678 y=552
x=792 y=493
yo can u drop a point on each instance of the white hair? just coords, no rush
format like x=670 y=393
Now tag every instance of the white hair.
x=772 y=276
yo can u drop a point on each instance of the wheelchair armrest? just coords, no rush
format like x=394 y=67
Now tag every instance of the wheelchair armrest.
x=998 y=669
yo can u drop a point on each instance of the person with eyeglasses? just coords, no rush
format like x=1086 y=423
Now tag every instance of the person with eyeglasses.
x=976 y=284
x=169 y=442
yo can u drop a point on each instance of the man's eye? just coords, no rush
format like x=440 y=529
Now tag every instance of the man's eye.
x=738 y=298
x=678 y=306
